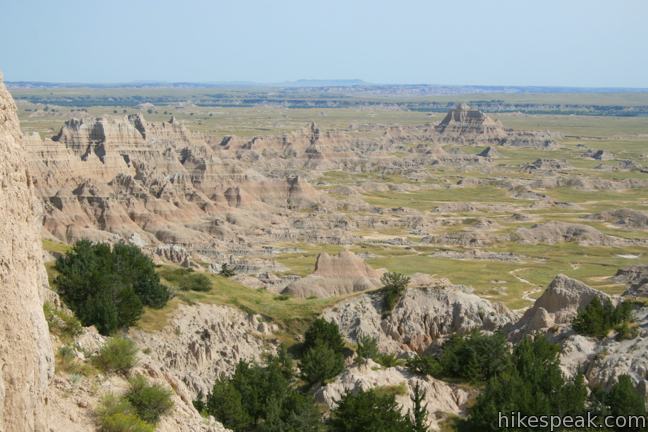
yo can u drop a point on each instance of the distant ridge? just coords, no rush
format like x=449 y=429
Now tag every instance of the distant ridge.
x=351 y=84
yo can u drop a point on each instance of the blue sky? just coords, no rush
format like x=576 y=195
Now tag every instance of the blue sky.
x=496 y=42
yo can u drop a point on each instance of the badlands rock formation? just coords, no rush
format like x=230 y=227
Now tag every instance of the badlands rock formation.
x=558 y=232
x=423 y=317
x=442 y=399
x=160 y=185
x=466 y=125
x=557 y=305
x=335 y=275
x=469 y=123
x=73 y=398
x=203 y=341
x=26 y=359
x=635 y=278
x=625 y=217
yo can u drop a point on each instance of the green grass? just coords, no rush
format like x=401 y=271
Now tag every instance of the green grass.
x=55 y=246
x=292 y=314
x=428 y=199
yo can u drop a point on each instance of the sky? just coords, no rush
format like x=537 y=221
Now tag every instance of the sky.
x=588 y=43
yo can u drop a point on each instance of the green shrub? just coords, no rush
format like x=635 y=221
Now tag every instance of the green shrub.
x=626 y=330
x=117 y=355
x=263 y=399
x=118 y=415
x=425 y=365
x=599 y=317
x=225 y=404
x=367 y=348
x=368 y=411
x=327 y=333
x=394 y=285
x=195 y=282
x=388 y=360
x=624 y=399
x=150 y=401
x=321 y=363
x=475 y=357
x=531 y=383
x=108 y=287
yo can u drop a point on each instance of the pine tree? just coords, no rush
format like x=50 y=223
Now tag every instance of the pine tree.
x=419 y=414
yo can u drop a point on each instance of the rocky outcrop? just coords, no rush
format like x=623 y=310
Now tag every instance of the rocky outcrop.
x=545 y=165
x=467 y=122
x=203 y=341
x=442 y=399
x=26 y=361
x=557 y=306
x=424 y=316
x=598 y=155
x=625 y=217
x=558 y=232
x=74 y=398
x=335 y=275
x=636 y=279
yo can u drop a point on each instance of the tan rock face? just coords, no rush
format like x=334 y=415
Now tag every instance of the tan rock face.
x=557 y=305
x=202 y=341
x=25 y=351
x=424 y=316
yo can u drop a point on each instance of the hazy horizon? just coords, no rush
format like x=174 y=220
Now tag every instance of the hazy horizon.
x=591 y=44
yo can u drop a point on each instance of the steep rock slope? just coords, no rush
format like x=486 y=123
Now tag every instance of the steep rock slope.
x=203 y=341
x=25 y=351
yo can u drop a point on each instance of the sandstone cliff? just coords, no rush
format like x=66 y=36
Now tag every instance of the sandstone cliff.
x=25 y=351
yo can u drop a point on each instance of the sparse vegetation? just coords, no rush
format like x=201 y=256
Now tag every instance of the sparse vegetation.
x=394 y=285
x=116 y=414
x=117 y=355
x=61 y=322
x=195 y=282
x=367 y=348
x=150 y=401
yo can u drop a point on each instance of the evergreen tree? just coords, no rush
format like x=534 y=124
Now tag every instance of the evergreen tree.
x=419 y=413
x=531 y=384
x=323 y=332
x=108 y=287
x=624 y=399
x=321 y=363
x=368 y=411
x=263 y=398
x=367 y=348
